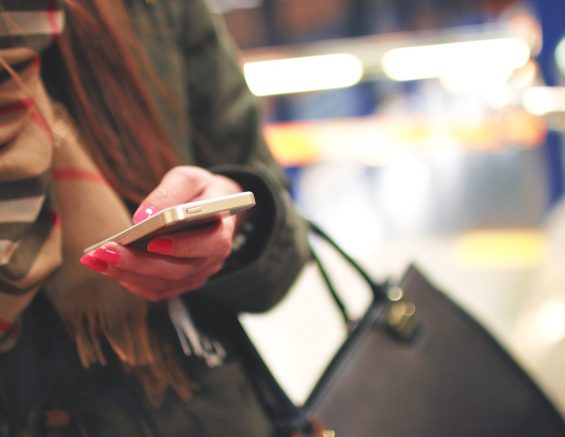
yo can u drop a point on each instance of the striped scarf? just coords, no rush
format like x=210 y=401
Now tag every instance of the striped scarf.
x=53 y=204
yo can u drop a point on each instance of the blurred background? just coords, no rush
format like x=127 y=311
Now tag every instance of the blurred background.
x=428 y=131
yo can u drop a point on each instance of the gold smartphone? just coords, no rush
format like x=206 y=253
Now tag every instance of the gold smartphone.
x=181 y=217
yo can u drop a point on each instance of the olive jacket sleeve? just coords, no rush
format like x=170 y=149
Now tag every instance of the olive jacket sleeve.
x=226 y=127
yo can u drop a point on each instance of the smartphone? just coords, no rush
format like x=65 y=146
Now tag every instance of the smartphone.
x=181 y=217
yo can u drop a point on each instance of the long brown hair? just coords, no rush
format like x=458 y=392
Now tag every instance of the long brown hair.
x=105 y=72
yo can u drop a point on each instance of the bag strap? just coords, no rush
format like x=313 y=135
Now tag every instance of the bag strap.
x=378 y=290
x=329 y=284
x=317 y=230
x=288 y=418
x=400 y=314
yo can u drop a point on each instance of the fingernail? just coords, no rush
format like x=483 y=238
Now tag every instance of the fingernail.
x=110 y=256
x=95 y=264
x=163 y=246
x=143 y=212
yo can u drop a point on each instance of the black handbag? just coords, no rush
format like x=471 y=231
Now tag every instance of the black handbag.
x=415 y=364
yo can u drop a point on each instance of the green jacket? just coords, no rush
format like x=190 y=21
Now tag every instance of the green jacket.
x=43 y=388
x=193 y=55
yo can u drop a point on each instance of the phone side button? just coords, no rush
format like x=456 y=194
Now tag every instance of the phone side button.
x=193 y=210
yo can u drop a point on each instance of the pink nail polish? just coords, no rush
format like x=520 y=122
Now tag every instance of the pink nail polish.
x=94 y=264
x=143 y=212
x=110 y=256
x=163 y=246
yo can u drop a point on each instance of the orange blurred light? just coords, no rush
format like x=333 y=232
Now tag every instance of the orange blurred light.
x=375 y=140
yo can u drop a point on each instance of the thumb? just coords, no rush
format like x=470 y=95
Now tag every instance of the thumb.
x=179 y=185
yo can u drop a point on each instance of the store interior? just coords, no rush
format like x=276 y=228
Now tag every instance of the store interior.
x=425 y=132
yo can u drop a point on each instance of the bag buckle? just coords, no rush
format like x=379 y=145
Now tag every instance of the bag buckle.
x=318 y=429
x=400 y=315
x=317 y=433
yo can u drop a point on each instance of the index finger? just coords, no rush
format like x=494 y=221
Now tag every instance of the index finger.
x=212 y=241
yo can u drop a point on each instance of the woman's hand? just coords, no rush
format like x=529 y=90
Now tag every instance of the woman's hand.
x=172 y=264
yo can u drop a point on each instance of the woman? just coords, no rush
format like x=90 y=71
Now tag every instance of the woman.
x=111 y=111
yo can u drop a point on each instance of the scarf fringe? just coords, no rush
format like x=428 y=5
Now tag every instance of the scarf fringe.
x=165 y=372
x=143 y=354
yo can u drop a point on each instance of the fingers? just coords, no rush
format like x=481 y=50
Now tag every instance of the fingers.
x=173 y=263
x=154 y=277
x=143 y=263
x=156 y=289
x=211 y=241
